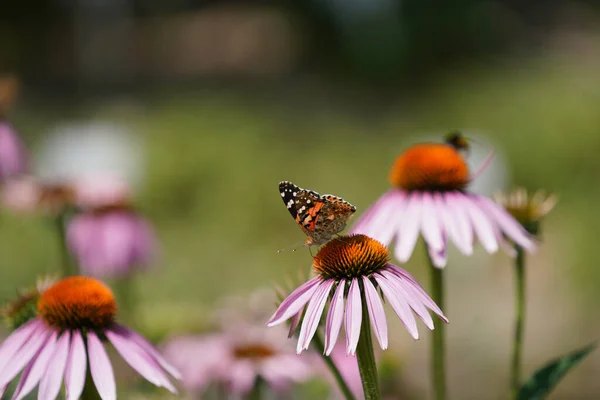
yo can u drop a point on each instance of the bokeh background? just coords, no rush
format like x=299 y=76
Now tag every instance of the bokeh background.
x=204 y=106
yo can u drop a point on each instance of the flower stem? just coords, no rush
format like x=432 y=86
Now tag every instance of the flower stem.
x=89 y=389
x=343 y=386
x=438 y=348
x=366 y=356
x=67 y=265
x=515 y=375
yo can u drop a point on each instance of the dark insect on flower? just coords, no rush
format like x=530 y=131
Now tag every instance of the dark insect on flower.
x=319 y=216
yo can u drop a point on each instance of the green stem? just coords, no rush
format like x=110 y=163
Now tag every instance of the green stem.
x=343 y=386
x=89 y=389
x=67 y=265
x=365 y=355
x=258 y=391
x=515 y=375
x=438 y=348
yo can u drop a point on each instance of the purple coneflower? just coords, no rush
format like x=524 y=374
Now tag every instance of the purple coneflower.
x=13 y=158
x=109 y=238
x=234 y=361
x=75 y=316
x=351 y=269
x=430 y=198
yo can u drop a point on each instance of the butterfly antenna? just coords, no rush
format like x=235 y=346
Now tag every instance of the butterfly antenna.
x=293 y=247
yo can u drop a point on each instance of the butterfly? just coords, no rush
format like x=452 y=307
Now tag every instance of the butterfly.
x=319 y=216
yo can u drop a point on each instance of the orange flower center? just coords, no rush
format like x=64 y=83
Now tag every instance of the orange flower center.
x=430 y=167
x=78 y=302
x=350 y=257
x=253 y=351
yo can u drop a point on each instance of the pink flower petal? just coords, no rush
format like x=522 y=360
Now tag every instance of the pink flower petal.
x=148 y=347
x=241 y=377
x=139 y=360
x=412 y=296
x=334 y=318
x=385 y=218
x=423 y=296
x=353 y=317
x=76 y=367
x=295 y=301
x=13 y=343
x=450 y=224
x=481 y=224
x=376 y=313
x=438 y=258
x=365 y=221
x=507 y=223
x=36 y=368
x=25 y=353
x=52 y=379
x=409 y=228
x=100 y=368
x=313 y=315
x=462 y=222
x=431 y=226
x=399 y=304
x=294 y=324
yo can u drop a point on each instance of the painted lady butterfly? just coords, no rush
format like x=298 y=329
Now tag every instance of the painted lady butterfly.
x=319 y=216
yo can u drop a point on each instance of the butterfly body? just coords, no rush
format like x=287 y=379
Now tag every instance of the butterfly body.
x=319 y=216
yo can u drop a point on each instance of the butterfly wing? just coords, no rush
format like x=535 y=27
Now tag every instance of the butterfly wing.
x=304 y=205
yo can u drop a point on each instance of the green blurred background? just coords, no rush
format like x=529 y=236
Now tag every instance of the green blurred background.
x=222 y=100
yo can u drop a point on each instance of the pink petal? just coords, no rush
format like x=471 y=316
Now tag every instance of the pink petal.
x=36 y=368
x=450 y=224
x=22 y=357
x=462 y=222
x=313 y=315
x=387 y=214
x=13 y=343
x=376 y=313
x=334 y=318
x=424 y=297
x=148 y=347
x=409 y=228
x=399 y=304
x=76 y=367
x=241 y=377
x=353 y=317
x=294 y=324
x=481 y=224
x=438 y=258
x=412 y=296
x=367 y=219
x=139 y=360
x=295 y=301
x=507 y=223
x=431 y=224
x=100 y=368
x=52 y=379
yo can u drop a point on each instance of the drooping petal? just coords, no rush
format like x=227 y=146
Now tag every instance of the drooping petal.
x=100 y=368
x=353 y=317
x=313 y=315
x=406 y=288
x=13 y=343
x=140 y=361
x=385 y=218
x=148 y=347
x=438 y=258
x=376 y=313
x=241 y=377
x=450 y=224
x=425 y=299
x=295 y=301
x=507 y=223
x=25 y=353
x=431 y=224
x=462 y=222
x=76 y=367
x=409 y=228
x=52 y=379
x=294 y=324
x=334 y=318
x=368 y=221
x=399 y=304
x=481 y=224
x=36 y=368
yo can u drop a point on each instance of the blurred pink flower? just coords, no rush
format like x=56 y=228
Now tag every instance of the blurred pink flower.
x=110 y=243
x=21 y=195
x=13 y=157
x=93 y=192
x=75 y=314
x=234 y=360
x=351 y=268
x=348 y=367
x=430 y=198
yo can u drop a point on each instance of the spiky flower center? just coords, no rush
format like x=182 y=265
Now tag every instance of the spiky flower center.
x=430 y=167
x=253 y=351
x=78 y=302
x=350 y=257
